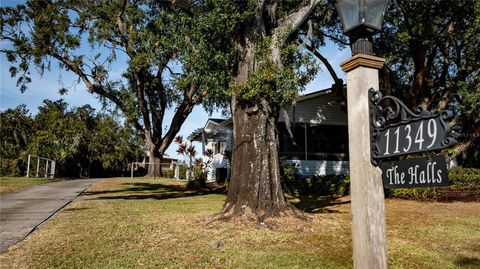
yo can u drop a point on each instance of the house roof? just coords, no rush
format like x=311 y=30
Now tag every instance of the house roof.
x=216 y=120
x=165 y=156
x=315 y=94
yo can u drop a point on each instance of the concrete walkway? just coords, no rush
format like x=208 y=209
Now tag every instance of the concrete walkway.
x=22 y=212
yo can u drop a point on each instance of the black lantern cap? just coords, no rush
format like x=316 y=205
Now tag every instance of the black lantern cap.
x=361 y=18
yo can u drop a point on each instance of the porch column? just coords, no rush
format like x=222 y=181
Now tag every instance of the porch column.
x=306 y=143
x=203 y=142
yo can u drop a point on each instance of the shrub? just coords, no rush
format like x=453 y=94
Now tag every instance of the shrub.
x=12 y=167
x=169 y=173
x=199 y=180
x=421 y=194
x=295 y=184
x=182 y=172
x=465 y=178
x=140 y=172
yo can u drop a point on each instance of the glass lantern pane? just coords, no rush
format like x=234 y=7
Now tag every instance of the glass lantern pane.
x=349 y=12
x=374 y=11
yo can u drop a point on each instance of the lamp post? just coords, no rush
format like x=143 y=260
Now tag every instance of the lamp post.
x=361 y=19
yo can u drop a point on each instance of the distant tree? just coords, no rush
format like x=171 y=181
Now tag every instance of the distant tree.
x=82 y=142
x=86 y=38
x=113 y=145
x=15 y=135
x=62 y=135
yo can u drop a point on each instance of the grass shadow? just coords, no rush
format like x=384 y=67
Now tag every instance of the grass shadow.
x=149 y=191
x=75 y=209
x=318 y=204
x=467 y=262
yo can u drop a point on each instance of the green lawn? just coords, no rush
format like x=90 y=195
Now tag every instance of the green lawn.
x=140 y=223
x=13 y=184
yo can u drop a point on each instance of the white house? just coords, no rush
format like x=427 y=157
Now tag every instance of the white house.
x=216 y=136
x=319 y=145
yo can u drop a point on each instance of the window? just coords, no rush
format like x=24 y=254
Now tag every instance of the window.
x=218 y=148
x=324 y=142
x=293 y=149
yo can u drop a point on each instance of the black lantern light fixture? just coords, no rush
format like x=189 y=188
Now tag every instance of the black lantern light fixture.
x=361 y=19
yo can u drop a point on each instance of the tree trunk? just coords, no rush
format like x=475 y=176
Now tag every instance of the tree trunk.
x=154 y=166
x=255 y=187
x=255 y=183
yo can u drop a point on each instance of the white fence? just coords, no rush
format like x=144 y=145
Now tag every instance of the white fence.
x=48 y=171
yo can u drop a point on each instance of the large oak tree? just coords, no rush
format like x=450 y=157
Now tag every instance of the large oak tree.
x=268 y=69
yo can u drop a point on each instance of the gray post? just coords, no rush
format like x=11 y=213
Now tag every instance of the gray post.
x=38 y=166
x=52 y=169
x=190 y=167
x=131 y=171
x=177 y=171
x=28 y=165
x=368 y=210
x=46 y=168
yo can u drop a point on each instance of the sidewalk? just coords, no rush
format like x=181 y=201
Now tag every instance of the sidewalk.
x=22 y=212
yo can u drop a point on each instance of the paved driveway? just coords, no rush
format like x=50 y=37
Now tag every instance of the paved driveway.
x=22 y=212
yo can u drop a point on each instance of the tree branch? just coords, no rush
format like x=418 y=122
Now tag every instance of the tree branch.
x=140 y=87
x=92 y=88
x=158 y=113
x=287 y=27
x=337 y=87
x=74 y=67
x=173 y=73
x=120 y=23
x=123 y=31
x=463 y=146
x=294 y=20
x=324 y=60
x=181 y=114
x=336 y=39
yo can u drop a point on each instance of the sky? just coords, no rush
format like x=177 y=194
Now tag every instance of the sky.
x=46 y=86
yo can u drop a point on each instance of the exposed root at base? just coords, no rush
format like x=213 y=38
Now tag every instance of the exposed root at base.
x=287 y=218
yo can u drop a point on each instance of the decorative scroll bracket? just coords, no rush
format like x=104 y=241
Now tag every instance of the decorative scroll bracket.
x=397 y=130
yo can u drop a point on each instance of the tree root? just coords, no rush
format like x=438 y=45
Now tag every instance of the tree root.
x=280 y=219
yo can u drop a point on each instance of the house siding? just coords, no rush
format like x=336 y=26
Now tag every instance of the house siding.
x=318 y=110
x=218 y=160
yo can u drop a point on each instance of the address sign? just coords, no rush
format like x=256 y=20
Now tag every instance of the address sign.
x=413 y=173
x=396 y=130
x=419 y=135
